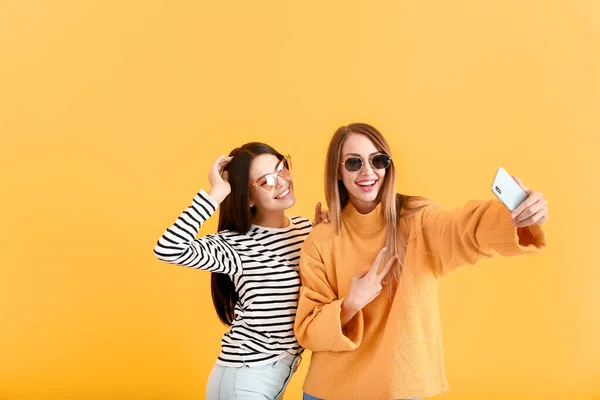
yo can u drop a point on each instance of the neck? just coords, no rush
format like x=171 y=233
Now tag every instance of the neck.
x=274 y=219
x=364 y=207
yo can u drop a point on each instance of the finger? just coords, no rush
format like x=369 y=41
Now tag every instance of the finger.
x=326 y=216
x=537 y=219
x=378 y=260
x=533 y=198
x=224 y=161
x=544 y=218
x=318 y=218
x=387 y=268
x=318 y=209
x=220 y=163
x=529 y=212
x=525 y=188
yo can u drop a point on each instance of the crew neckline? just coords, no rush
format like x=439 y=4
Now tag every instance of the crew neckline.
x=270 y=229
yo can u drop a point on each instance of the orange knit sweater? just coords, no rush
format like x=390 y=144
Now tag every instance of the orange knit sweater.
x=392 y=349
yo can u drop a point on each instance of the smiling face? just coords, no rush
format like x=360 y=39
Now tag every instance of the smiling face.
x=267 y=171
x=365 y=184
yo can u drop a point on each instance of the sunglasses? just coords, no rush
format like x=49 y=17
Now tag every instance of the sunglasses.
x=377 y=161
x=269 y=181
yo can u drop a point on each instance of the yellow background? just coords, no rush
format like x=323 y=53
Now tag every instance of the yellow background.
x=111 y=113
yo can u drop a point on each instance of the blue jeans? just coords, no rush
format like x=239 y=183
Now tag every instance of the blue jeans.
x=309 y=397
x=265 y=382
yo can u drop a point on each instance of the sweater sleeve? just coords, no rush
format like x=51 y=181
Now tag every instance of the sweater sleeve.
x=178 y=244
x=318 y=325
x=479 y=229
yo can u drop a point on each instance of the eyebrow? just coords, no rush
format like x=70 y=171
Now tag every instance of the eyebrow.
x=271 y=173
x=358 y=155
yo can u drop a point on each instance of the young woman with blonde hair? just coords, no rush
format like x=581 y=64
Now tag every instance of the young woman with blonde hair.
x=368 y=307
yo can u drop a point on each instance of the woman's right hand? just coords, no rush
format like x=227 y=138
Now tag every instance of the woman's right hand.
x=220 y=187
x=365 y=287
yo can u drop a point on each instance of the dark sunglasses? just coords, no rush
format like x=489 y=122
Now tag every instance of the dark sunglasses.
x=377 y=161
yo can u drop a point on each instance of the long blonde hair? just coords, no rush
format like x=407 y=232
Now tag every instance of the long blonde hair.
x=394 y=205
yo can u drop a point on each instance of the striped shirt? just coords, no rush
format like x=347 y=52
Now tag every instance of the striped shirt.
x=263 y=265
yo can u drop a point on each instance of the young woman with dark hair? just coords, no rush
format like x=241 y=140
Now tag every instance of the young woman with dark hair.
x=254 y=263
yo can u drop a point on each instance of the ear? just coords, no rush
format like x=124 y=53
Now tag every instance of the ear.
x=250 y=202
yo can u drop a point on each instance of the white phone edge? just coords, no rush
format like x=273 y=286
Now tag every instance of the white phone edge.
x=503 y=177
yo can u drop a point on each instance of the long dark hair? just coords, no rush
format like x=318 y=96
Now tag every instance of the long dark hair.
x=236 y=215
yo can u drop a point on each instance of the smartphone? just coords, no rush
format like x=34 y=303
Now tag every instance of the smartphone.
x=508 y=190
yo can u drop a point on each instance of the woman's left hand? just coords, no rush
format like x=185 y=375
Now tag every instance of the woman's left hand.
x=533 y=211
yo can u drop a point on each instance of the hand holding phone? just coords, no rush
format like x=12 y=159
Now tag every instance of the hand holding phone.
x=528 y=207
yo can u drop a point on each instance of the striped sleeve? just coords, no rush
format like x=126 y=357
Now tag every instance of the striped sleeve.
x=179 y=246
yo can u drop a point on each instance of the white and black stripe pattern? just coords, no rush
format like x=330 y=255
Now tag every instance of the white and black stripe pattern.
x=263 y=265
